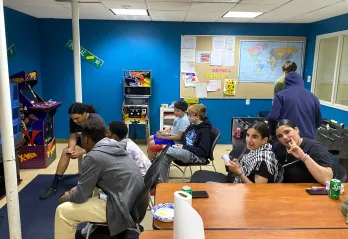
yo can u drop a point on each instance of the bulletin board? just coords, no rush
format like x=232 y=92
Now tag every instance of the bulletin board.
x=243 y=90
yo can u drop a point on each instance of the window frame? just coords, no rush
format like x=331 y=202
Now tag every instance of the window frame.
x=340 y=35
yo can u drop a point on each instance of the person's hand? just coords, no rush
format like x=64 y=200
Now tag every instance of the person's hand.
x=73 y=155
x=73 y=189
x=62 y=199
x=234 y=167
x=159 y=135
x=295 y=150
x=178 y=146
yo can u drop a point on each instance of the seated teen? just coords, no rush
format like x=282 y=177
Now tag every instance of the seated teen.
x=304 y=160
x=171 y=135
x=118 y=131
x=108 y=166
x=196 y=141
x=78 y=113
x=259 y=165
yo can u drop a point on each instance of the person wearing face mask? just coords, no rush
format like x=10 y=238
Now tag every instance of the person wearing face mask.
x=304 y=160
x=259 y=165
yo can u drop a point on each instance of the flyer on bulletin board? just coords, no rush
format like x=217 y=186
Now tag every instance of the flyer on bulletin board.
x=190 y=79
x=230 y=87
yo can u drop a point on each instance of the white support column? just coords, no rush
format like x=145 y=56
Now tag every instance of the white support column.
x=76 y=46
x=9 y=157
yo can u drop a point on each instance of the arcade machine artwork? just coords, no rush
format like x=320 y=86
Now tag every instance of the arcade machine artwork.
x=39 y=147
x=137 y=90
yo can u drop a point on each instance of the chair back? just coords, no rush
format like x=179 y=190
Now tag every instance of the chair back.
x=152 y=175
x=140 y=205
x=215 y=137
x=338 y=172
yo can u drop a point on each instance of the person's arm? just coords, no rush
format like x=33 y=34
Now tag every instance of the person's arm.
x=204 y=144
x=320 y=173
x=318 y=119
x=171 y=137
x=72 y=141
x=87 y=181
x=261 y=175
x=274 y=115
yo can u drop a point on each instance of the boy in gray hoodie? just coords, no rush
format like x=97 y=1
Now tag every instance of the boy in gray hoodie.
x=108 y=166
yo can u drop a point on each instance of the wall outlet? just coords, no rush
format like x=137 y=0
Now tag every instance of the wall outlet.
x=308 y=79
x=247 y=101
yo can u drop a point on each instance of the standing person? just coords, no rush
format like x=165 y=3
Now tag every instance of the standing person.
x=79 y=113
x=108 y=166
x=298 y=105
x=288 y=66
x=170 y=135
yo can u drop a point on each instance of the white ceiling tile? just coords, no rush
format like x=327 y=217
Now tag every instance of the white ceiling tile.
x=218 y=1
x=155 y=13
x=168 y=0
x=46 y=12
x=254 y=7
x=134 y=18
x=93 y=14
x=90 y=5
x=211 y=6
x=279 y=2
x=168 y=18
x=31 y=3
x=125 y=4
x=176 y=6
x=207 y=14
x=198 y=19
x=326 y=12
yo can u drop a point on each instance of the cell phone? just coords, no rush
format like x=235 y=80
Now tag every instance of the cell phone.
x=200 y=194
x=317 y=191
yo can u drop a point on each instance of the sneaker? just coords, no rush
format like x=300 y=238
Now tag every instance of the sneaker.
x=48 y=193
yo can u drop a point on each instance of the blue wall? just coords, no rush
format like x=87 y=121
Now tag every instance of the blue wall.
x=137 y=45
x=339 y=23
x=23 y=31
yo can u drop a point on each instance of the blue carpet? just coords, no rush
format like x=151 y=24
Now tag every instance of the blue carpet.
x=37 y=216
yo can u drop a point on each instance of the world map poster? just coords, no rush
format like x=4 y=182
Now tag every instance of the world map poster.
x=261 y=61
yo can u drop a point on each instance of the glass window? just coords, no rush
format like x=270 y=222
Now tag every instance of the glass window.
x=342 y=86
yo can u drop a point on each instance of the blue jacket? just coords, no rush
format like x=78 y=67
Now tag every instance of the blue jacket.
x=298 y=105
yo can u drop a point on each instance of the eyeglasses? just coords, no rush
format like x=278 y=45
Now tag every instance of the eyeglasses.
x=191 y=115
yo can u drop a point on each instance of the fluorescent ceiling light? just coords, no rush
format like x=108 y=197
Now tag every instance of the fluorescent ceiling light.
x=243 y=14
x=133 y=12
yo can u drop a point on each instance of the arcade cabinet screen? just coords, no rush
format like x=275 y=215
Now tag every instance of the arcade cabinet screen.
x=29 y=94
x=137 y=78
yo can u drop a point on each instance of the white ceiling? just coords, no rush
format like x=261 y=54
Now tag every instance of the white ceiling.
x=275 y=11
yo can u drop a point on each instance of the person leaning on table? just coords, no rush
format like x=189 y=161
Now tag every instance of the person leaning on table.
x=304 y=160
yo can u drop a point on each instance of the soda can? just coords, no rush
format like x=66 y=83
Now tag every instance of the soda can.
x=335 y=189
x=187 y=189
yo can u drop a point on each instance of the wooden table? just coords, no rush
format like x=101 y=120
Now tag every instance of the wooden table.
x=256 y=234
x=258 y=206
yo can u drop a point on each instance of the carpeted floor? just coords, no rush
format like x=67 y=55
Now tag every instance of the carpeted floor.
x=37 y=216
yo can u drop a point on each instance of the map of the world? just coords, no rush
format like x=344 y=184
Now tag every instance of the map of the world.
x=261 y=61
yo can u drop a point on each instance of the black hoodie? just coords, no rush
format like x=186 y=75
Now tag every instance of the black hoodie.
x=198 y=138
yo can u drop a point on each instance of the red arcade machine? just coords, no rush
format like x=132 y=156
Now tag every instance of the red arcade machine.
x=39 y=147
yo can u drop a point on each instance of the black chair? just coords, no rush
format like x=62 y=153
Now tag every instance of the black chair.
x=215 y=137
x=338 y=172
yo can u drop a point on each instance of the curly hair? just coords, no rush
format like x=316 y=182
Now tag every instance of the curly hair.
x=94 y=129
x=80 y=108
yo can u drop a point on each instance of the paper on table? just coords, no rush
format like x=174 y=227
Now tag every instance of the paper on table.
x=213 y=85
x=188 y=42
x=216 y=58
x=190 y=79
x=218 y=43
x=202 y=56
x=187 y=66
x=201 y=90
x=228 y=58
x=188 y=224
x=229 y=43
x=188 y=55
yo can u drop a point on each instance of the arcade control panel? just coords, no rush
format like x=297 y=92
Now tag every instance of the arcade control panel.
x=45 y=105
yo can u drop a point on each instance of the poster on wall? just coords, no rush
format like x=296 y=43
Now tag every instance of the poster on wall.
x=230 y=87
x=203 y=57
x=190 y=79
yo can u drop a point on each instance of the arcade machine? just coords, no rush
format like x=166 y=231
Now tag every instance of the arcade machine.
x=137 y=90
x=17 y=134
x=39 y=146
